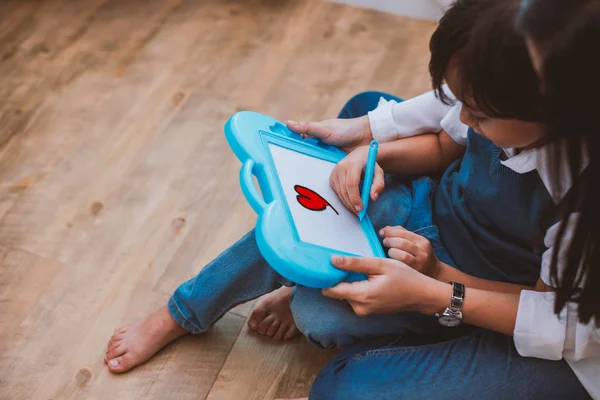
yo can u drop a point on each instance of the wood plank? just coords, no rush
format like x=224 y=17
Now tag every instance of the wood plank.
x=23 y=278
x=278 y=369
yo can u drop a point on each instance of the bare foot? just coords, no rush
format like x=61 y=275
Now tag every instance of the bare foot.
x=273 y=316
x=136 y=343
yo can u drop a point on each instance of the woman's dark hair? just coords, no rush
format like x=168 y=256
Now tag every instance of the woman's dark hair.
x=495 y=73
x=567 y=35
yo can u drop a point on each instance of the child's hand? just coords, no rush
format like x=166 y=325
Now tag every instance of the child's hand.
x=345 y=179
x=411 y=249
x=348 y=134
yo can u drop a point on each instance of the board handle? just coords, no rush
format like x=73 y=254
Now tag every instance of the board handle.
x=252 y=196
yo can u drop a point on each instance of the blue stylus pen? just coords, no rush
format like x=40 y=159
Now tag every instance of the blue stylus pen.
x=368 y=180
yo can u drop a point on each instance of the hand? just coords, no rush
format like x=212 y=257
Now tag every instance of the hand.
x=345 y=179
x=412 y=249
x=347 y=134
x=391 y=287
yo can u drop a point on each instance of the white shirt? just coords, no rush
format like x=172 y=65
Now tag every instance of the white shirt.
x=538 y=331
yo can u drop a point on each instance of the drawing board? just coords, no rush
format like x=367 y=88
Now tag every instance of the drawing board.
x=301 y=221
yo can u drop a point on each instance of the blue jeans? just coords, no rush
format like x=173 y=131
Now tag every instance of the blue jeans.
x=241 y=274
x=479 y=364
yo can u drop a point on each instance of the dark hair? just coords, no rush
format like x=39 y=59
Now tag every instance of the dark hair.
x=567 y=32
x=495 y=73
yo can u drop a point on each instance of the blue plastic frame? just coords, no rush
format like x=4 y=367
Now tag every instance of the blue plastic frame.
x=249 y=134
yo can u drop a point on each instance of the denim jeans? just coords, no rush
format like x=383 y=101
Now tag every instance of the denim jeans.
x=241 y=274
x=477 y=364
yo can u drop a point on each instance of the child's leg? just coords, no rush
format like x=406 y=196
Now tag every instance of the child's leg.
x=238 y=275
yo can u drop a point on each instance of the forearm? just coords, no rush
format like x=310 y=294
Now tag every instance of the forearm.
x=417 y=155
x=486 y=309
x=450 y=274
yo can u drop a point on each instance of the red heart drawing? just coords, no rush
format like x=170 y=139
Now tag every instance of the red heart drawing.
x=311 y=200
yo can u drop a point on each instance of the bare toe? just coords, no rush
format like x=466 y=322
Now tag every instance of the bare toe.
x=272 y=330
x=265 y=324
x=121 y=364
x=291 y=333
x=283 y=328
x=113 y=345
x=117 y=352
x=256 y=317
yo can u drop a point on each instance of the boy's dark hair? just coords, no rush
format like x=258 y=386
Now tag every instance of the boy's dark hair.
x=494 y=69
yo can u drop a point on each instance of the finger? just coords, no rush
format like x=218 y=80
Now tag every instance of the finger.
x=401 y=244
x=344 y=190
x=402 y=256
x=398 y=231
x=368 y=266
x=378 y=183
x=347 y=291
x=336 y=184
x=352 y=184
x=311 y=129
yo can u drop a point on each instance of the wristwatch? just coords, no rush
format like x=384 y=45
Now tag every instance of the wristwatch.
x=452 y=317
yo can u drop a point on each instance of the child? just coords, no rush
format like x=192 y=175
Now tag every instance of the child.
x=487 y=211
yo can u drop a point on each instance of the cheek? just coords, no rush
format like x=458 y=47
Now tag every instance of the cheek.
x=506 y=136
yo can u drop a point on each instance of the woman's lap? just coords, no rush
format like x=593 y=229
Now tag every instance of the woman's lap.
x=480 y=364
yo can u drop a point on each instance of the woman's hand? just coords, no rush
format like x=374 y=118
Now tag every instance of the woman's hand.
x=391 y=287
x=411 y=249
x=347 y=134
x=345 y=179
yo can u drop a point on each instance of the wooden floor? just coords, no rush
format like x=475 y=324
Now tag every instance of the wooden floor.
x=116 y=183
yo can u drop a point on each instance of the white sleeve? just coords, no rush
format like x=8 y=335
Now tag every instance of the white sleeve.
x=539 y=332
x=454 y=127
x=422 y=114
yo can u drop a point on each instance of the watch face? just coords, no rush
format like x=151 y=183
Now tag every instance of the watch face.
x=450 y=321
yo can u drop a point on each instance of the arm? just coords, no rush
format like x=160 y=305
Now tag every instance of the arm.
x=422 y=114
x=426 y=154
x=419 y=155
x=486 y=309
x=389 y=121
x=450 y=274
x=416 y=251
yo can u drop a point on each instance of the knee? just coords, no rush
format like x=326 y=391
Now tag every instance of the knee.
x=319 y=318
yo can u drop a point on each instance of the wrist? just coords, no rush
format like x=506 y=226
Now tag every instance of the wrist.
x=366 y=130
x=439 y=271
x=435 y=297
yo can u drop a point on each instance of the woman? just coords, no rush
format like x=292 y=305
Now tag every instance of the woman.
x=563 y=37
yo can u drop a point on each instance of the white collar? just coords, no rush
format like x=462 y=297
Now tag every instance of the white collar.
x=544 y=159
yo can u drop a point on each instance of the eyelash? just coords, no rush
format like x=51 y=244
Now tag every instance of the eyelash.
x=476 y=120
